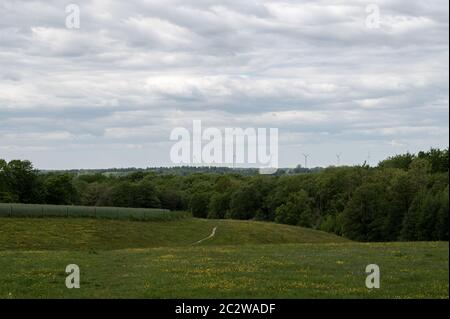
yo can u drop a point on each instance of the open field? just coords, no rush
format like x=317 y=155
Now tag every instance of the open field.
x=243 y=260
x=100 y=234
x=408 y=270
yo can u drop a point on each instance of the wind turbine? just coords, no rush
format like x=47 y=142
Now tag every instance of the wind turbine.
x=338 y=158
x=306 y=159
x=368 y=158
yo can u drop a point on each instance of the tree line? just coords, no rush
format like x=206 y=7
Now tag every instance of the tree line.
x=404 y=198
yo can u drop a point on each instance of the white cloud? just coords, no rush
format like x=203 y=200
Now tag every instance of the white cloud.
x=135 y=70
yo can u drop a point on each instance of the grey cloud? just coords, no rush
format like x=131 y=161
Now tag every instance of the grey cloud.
x=135 y=70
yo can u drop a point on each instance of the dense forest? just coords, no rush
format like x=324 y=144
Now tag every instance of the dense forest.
x=404 y=198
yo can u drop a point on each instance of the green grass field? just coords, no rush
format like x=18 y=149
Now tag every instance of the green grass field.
x=245 y=259
x=101 y=234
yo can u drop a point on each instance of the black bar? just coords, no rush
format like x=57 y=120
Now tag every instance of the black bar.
x=232 y=308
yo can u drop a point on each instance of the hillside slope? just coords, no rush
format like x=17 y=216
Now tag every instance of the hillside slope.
x=101 y=234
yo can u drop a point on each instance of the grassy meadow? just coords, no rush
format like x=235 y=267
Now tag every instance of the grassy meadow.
x=245 y=259
x=98 y=234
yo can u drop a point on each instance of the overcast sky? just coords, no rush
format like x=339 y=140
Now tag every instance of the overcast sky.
x=109 y=93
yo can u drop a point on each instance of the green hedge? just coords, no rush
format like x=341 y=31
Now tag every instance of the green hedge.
x=32 y=210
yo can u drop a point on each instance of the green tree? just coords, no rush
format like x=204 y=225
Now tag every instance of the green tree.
x=59 y=190
x=97 y=194
x=401 y=161
x=22 y=182
x=218 y=205
x=245 y=203
x=172 y=199
x=145 y=195
x=198 y=205
x=437 y=158
x=442 y=215
x=122 y=194
x=364 y=217
x=296 y=211
x=142 y=194
x=401 y=191
x=427 y=218
x=5 y=195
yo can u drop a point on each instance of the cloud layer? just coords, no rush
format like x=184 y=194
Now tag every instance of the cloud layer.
x=109 y=93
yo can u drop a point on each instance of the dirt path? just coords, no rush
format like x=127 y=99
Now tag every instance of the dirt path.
x=213 y=233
